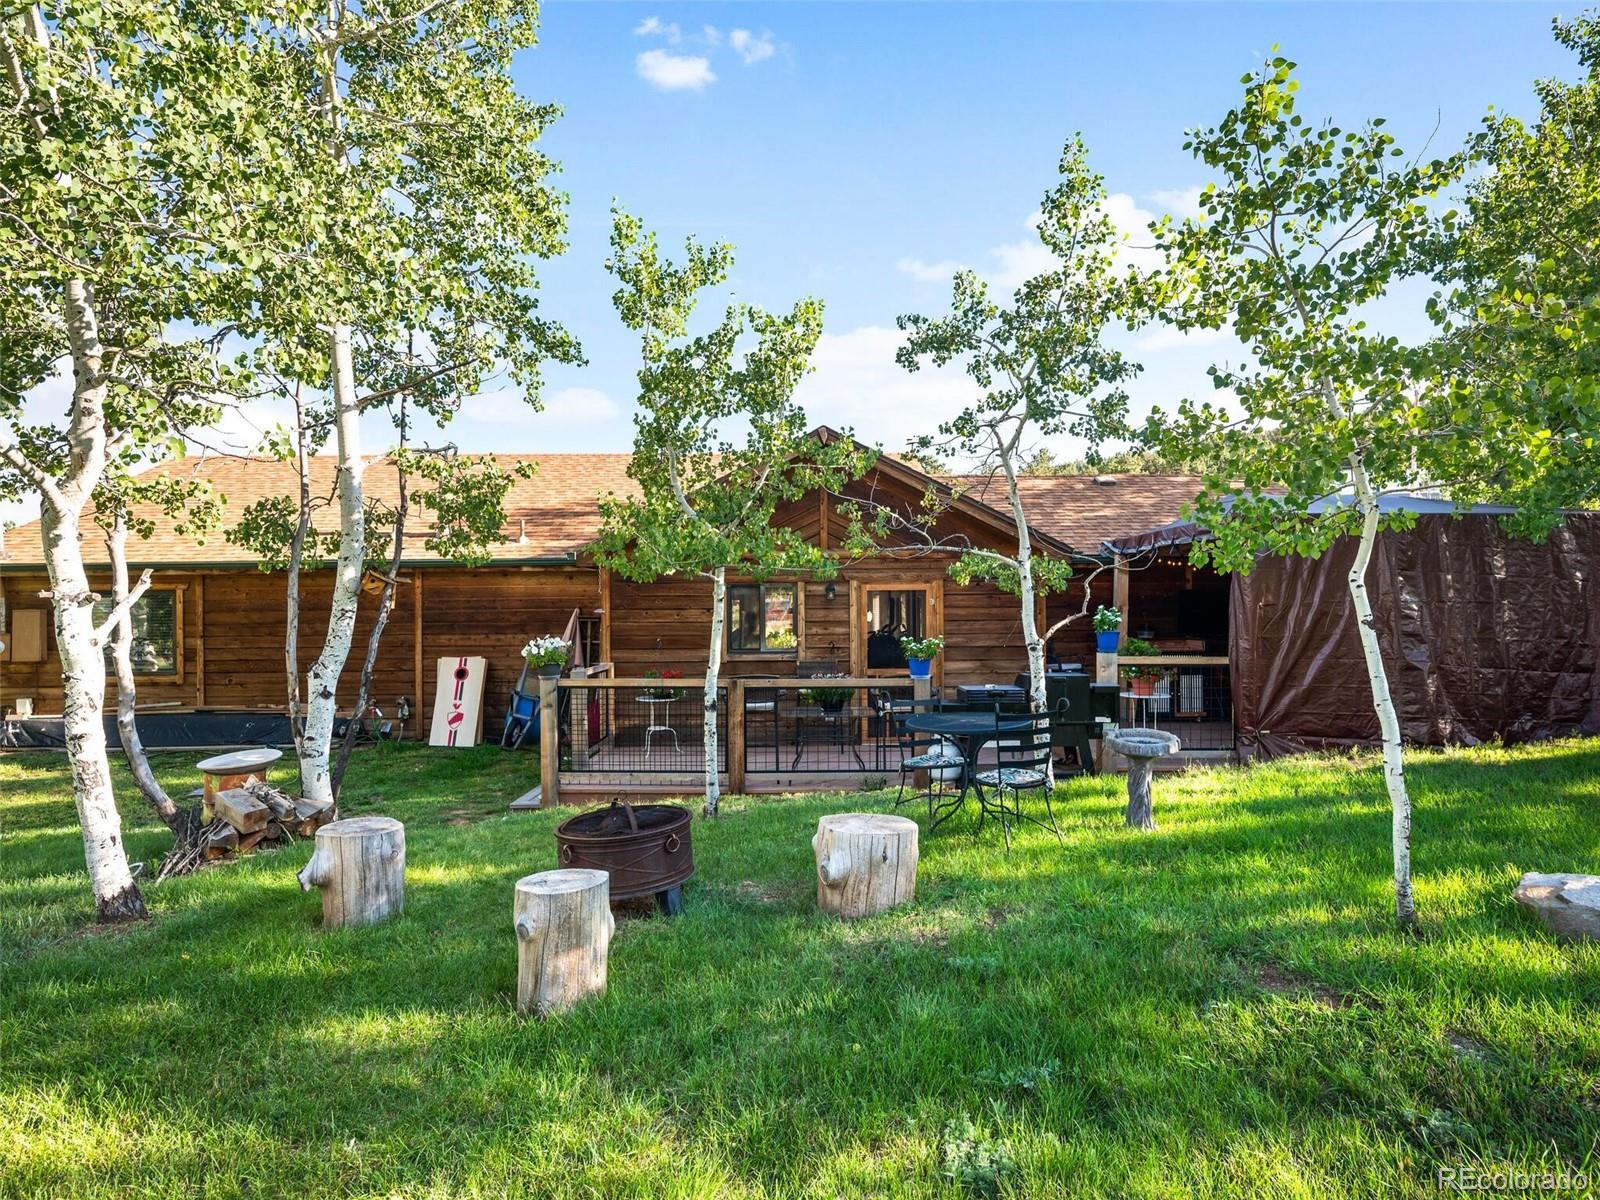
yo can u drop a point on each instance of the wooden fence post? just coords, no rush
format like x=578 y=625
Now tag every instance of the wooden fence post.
x=736 y=737
x=549 y=742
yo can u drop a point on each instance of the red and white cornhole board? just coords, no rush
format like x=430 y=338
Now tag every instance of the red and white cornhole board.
x=458 y=702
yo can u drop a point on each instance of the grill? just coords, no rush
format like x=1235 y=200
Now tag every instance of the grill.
x=645 y=848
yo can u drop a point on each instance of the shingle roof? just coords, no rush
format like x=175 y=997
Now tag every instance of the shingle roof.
x=1085 y=510
x=556 y=513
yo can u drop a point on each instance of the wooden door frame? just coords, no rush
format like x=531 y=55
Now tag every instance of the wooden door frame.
x=932 y=590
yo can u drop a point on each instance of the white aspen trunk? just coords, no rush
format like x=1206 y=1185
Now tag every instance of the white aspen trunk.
x=380 y=622
x=83 y=679
x=83 y=664
x=316 y=776
x=719 y=594
x=127 y=693
x=1394 y=772
x=1030 y=623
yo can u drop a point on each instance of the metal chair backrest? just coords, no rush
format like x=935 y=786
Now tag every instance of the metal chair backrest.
x=914 y=742
x=1027 y=747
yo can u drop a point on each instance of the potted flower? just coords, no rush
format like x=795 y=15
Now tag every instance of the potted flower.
x=1107 y=627
x=1141 y=680
x=546 y=655
x=828 y=699
x=664 y=693
x=920 y=653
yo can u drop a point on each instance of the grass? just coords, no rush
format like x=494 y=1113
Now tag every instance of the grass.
x=1218 y=1008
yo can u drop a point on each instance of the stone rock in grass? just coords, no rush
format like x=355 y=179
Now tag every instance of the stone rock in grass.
x=1567 y=905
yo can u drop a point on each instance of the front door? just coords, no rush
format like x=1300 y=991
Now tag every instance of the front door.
x=881 y=613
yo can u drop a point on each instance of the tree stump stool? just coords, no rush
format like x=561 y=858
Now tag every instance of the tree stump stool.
x=360 y=865
x=866 y=863
x=564 y=924
x=1141 y=747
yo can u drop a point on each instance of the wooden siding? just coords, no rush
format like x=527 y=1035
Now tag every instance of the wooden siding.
x=233 y=637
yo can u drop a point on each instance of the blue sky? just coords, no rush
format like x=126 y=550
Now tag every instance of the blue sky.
x=857 y=152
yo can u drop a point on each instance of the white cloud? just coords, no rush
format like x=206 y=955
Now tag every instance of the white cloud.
x=563 y=409
x=711 y=34
x=858 y=384
x=1183 y=202
x=1169 y=337
x=655 y=27
x=674 y=72
x=929 y=272
x=752 y=47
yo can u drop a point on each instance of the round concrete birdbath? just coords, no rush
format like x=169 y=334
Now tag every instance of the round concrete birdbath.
x=1141 y=747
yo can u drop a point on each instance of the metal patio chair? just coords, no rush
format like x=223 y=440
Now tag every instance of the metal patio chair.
x=1022 y=764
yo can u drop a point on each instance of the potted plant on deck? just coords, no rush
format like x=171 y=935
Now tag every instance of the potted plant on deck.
x=664 y=692
x=1107 y=629
x=546 y=655
x=920 y=653
x=828 y=699
x=1141 y=680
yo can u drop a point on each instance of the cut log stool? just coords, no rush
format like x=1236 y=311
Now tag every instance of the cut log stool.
x=564 y=923
x=360 y=865
x=866 y=863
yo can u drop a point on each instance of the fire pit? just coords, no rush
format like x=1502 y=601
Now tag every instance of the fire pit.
x=646 y=849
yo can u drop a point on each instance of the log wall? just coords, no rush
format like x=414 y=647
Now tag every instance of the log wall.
x=233 y=623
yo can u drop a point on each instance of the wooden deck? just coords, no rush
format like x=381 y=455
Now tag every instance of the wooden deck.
x=668 y=770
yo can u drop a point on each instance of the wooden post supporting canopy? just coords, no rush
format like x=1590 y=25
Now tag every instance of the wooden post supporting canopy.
x=564 y=925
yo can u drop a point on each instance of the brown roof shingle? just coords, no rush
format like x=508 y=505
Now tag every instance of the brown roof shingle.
x=556 y=514
x=1085 y=510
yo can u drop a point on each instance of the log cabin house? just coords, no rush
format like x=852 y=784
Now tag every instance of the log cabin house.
x=210 y=644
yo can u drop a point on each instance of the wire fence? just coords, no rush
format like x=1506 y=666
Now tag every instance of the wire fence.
x=821 y=727
x=1193 y=701
x=640 y=730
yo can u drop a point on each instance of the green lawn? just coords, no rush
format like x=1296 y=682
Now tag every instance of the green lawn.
x=1218 y=1008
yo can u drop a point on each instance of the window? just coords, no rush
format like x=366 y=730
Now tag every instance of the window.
x=761 y=619
x=156 y=643
x=892 y=615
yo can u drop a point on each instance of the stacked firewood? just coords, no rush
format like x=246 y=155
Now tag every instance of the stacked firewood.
x=258 y=816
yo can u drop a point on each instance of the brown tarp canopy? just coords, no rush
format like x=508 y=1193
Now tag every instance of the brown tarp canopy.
x=1484 y=635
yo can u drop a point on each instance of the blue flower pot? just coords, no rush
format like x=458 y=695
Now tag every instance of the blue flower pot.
x=1106 y=641
x=921 y=668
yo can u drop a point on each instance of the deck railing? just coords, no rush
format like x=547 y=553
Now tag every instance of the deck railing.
x=646 y=733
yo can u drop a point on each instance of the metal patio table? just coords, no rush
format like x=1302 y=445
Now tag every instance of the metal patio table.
x=972 y=730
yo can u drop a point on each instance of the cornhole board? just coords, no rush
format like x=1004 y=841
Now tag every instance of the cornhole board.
x=458 y=702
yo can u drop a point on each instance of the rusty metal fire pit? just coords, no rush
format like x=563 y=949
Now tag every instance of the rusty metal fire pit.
x=646 y=848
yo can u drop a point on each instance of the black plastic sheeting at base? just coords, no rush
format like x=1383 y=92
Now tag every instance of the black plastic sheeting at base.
x=1484 y=636
x=162 y=731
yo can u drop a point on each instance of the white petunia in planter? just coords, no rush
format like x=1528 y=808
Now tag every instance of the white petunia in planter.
x=546 y=655
x=920 y=653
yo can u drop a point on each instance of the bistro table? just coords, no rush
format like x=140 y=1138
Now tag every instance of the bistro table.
x=659 y=720
x=972 y=730
x=835 y=724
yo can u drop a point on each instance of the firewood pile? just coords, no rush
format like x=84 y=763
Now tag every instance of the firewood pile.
x=254 y=817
